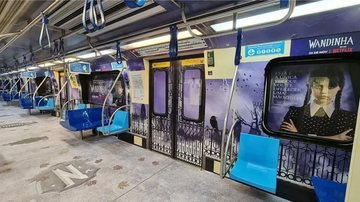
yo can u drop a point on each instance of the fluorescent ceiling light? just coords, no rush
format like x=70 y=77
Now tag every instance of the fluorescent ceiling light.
x=88 y=55
x=32 y=68
x=57 y=61
x=159 y=40
x=70 y=59
x=47 y=64
x=22 y=70
x=93 y=54
x=107 y=52
x=306 y=9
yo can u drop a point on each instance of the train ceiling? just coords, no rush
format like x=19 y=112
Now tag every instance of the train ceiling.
x=122 y=23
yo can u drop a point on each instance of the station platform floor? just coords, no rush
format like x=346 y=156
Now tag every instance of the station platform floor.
x=41 y=161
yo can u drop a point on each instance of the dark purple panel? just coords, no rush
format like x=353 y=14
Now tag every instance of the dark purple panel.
x=160 y=94
x=136 y=65
x=192 y=93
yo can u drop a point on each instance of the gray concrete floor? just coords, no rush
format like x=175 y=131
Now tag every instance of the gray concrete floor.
x=34 y=148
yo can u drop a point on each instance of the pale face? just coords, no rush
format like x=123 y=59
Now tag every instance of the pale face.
x=321 y=91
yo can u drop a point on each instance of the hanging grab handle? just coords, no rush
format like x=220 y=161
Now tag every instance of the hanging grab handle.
x=118 y=57
x=61 y=46
x=238 y=47
x=90 y=6
x=173 y=46
x=84 y=16
x=93 y=14
x=135 y=3
x=44 y=27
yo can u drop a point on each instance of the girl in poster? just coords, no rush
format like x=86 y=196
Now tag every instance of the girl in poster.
x=321 y=114
x=119 y=98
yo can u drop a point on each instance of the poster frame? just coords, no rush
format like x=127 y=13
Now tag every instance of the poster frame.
x=310 y=59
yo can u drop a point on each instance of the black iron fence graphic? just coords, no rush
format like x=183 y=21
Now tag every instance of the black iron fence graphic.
x=298 y=161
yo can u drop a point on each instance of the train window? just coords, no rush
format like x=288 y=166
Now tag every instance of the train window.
x=160 y=92
x=192 y=94
x=313 y=98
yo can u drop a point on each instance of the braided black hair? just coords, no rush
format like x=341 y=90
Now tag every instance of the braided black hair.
x=336 y=78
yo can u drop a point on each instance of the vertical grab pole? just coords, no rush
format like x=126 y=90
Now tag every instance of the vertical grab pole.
x=5 y=86
x=22 y=87
x=36 y=90
x=237 y=62
x=62 y=87
x=107 y=96
x=14 y=85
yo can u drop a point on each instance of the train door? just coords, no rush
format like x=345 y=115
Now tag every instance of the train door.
x=177 y=109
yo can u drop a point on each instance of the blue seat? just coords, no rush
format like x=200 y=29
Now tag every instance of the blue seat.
x=80 y=106
x=6 y=97
x=39 y=102
x=83 y=119
x=328 y=191
x=257 y=162
x=15 y=96
x=48 y=106
x=26 y=103
x=120 y=124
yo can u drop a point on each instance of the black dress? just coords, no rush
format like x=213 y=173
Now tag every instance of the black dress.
x=339 y=121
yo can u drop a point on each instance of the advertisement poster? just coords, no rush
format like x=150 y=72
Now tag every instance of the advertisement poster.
x=101 y=84
x=313 y=100
x=137 y=82
x=98 y=90
x=73 y=81
x=192 y=93
x=74 y=87
x=339 y=43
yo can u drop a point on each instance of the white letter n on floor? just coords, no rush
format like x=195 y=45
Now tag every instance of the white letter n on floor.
x=66 y=176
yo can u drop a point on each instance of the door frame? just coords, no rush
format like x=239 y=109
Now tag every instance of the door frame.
x=173 y=71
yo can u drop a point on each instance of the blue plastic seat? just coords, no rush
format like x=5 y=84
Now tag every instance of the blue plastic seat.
x=80 y=106
x=48 y=106
x=6 y=97
x=328 y=191
x=257 y=162
x=26 y=103
x=39 y=102
x=120 y=124
x=15 y=96
x=83 y=119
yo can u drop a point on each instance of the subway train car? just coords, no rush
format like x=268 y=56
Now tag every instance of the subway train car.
x=179 y=100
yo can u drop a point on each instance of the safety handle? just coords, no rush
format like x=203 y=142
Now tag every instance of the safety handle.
x=118 y=57
x=44 y=27
x=86 y=28
x=173 y=46
x=238 y=47
x=134 y=3
x=101 y=12
x=90 y=7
